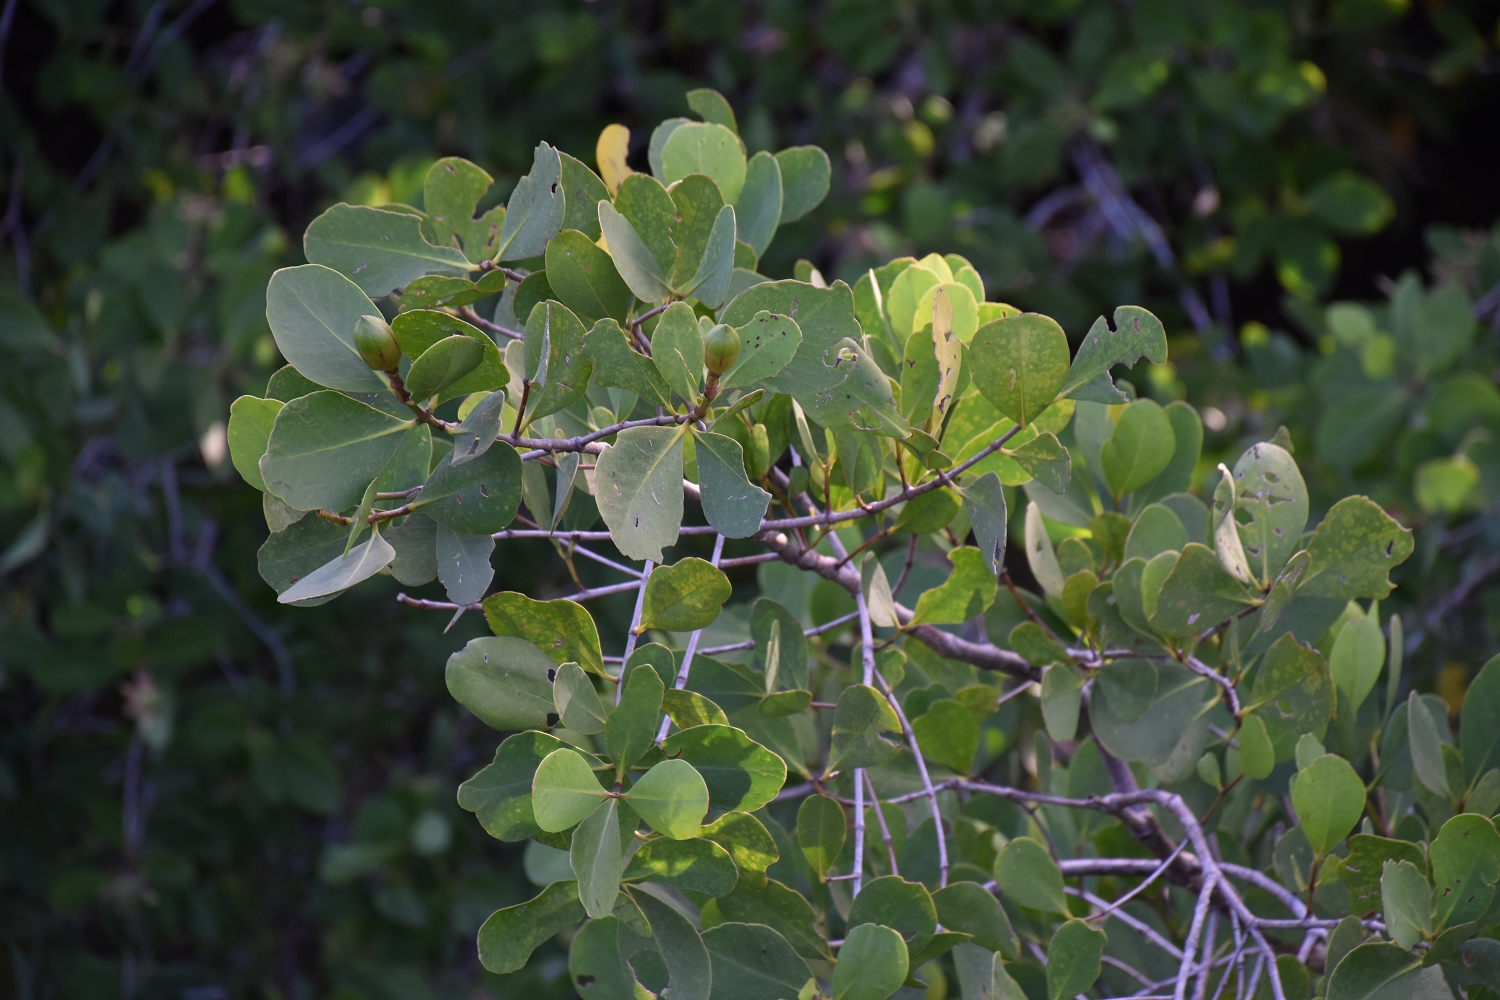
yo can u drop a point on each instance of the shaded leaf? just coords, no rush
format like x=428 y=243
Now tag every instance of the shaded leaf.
x=731 y=503
x=861 y=718
x=821 y=830
x=1026 y=873
x=1329 y=798
x=741 y=774
x=872 y=964
x=379 y=250
x=684 y=596
x=697 y=865
x=325 y=449
x=502 y=680
x=640 y=490
x=509 y=936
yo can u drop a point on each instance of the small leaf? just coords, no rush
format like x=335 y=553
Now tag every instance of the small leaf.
x=250 y=423
x=1139 y=449
x=1406 y=902
x=564 y=791
x=632 y=725
x=312 y=311
x=687 y=709
x=948 y=735
x=741 y=775
x=562 y=629
x=753 y=962
x=639 y=490
x=554 y=354
x=617 y=364
x=968 y=591
x=821 y=830
x=731 y=503
x=1062 y=696
x=479 y=429
x=861 y=718
x=1156 y=530
x=1039 y=553
x=1026 y=873
x=1045 y=460
x=1426 y=747
x=1137 y=333
x=677 y=351
x=463 y=563
x=358 y=564
x=534 y=214
x=1020 y=363
x=1293 y=687
x=1257 y=754
x=509 y=936
x=1479 y=722
x=671 y=798
x=872 y=964
x=805 y=175
x=499 y=796
x=1329 y=798
x=1073 y=957
x=504 y=681
x=973 y=909
x=705 y=148
x=610 y=153
x=984 y=500
x=1196 y=595
x=792 y=669
x=1358 y=654
x=905 y=907
x=578 y=704
x=1465 y=868
x=684 y=596
x=584 y=278
x=876 y=588
x=380 y=250
x=596 y=857
x=417 y=330
x=1362 y=870
x=758 y=210
x=696 y=864
x=1271 y=508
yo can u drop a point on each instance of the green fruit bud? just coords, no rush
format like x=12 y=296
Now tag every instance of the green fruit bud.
x=721 y=348
x=376 y=344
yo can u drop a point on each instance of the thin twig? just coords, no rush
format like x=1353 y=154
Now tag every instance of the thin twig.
x=635 y=623
x=692 y=647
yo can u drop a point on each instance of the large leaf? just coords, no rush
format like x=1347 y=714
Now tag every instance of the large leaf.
x=968 y=591
x=1198 y=594
x=585 y=279
x=684 y=596
x=696 y=864
x=562 y=629
x=509 y=936
x=681 y=948
x=1406 y=903
x=596 y=856
x=671 y=798
x=1026 y=873
x=792 y=659
x=534 y=214
x=312 y=311
x=741 y=774
x=358 y=564
x=479 y=497
x=555 y=360
x=499 y=796
x=1073 y=957
x=710 y=283
x=1139 y=449
x=805 y=175
x=1153 y=736
x=752 y=962
x=782 y=909
x=502 y=680
x=1271 y=508
x=862 y=718
x=1355 y=547
x=1019 y=364
x=731 y=503
x=582 y=190
x=1137 y=333
x=381 y=251
x=564 y=790
x=639 y=490
x=905 y=907
x=972 y=909
x=1380 y=971
x=616 y=363
x=1361 y=871
x=1329 y=798
x=872 y=964
x=326 y=448
x=1465 y=868
x=705 y=148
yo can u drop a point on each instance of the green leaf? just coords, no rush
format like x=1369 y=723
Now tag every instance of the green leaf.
x=1039 y=553
x=687 y=709
x=805 y=175
x=904 y=298
x=784 y=910
x=380 y=250
x=443 y=364
x=509 y=936
x=791 y=670
x=711 y=106
x=1362 y=870
x=1073 y=957
x=1139 y=449
x=1357 y=656
x=595 y=959
x=504 y=681
x=562 y=629
x=1349 y=204
x=554 y=356
x=948 y=735
x=634 y=262
x=671 y=798
x=1479 y=721
x=1406 y=902
x=1270 y=508
x=872 y=964
x=768 y=342
x=338 y=575
x=583 y=190
x=968 y=591
x=758 y=210
x=1027 y=874
x=1426 y=747
x=578 y=704
x=596 y=856
x=1177 y=477
x=741 y=774
x=931 y=511
x=905 y=907
x=1355 y=547
x=1126 y=686
x=478 y=429
x=631 y=729
x=731 y=503
x=325 y=448
x=971 y=908
x=534 y=214
x=1465 y=868
x=584 y=278
x=1293 y=687
x=301 y=547
x=821 y=830
x=677 y=350
x=1045 y=460
x=639 y=490
x=499 y=796
x=1197 y=594
x=753 y=962
x=684 y=596
x=1329 y=798
x=250 y=423
x=710 y=283
x=696 y=864
x=450 y=194
x=617 y=364
x=1020 y=363
x=1257 y=754
x=312 y=311
x=705 y=148
x=1171 y=721
x=1062 y=696
x=419 y=329
x=479 y=497
x=1137 y=333
x=564 y=790
x=1158 y=529
x=861 y=718
x=1378 y=971
x=748 y=842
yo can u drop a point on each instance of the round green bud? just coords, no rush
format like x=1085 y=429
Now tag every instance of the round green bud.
x=376 y=344
x=721 y=348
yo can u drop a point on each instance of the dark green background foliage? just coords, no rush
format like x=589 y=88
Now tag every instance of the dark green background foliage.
x=207 y=795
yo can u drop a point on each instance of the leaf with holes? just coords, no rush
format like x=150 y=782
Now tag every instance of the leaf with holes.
x=639 y=490
x=1293 y=687
x=506 y=682
x=1465 y=868
x=479 y=497
x=768 y=342
x=562 y=629
x=1354 y=548
x=1137 y=334
x=534 y=214
x=1271 y=508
